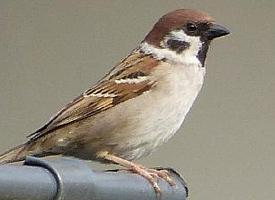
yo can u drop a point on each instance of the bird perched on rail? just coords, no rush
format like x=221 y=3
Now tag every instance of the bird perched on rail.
x=138 y=105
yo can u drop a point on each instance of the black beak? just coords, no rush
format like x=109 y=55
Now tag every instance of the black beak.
x=216 y=31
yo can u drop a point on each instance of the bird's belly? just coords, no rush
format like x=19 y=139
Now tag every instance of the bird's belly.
x=136 y=127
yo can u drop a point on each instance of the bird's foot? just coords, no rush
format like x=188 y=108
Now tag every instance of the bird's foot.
x=151 y=175
x=163 y=174
x=148 y=175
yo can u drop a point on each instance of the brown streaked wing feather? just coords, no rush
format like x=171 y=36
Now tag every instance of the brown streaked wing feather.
x=91 y=103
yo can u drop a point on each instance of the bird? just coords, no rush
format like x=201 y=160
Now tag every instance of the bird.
x=138 y=105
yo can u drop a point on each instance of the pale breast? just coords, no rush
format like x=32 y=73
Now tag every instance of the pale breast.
x=136 y=127
x=172 y=99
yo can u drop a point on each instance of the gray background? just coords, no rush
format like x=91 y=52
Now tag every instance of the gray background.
x=50 y=51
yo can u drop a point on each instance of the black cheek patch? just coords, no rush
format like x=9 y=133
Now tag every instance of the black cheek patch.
x=177 y=45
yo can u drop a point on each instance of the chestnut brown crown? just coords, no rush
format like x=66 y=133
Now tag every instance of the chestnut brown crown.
x=191 y=21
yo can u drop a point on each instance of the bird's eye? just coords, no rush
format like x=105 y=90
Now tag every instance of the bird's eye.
x=191 y=27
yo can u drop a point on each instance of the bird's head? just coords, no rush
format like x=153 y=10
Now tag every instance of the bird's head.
x=185 y=31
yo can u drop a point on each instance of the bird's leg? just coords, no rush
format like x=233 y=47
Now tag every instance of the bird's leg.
x=136 y=169
x=148 y=174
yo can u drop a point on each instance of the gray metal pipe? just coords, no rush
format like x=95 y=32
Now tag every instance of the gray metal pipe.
x=72 y=179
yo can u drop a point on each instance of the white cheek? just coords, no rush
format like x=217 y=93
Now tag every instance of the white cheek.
x=188 y=56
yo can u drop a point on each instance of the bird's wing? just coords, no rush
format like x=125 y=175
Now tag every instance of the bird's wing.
x=128 y=79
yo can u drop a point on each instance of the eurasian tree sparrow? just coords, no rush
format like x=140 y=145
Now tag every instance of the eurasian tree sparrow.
x=138 y=105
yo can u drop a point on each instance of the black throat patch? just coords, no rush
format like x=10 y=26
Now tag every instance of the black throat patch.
x=203 y=51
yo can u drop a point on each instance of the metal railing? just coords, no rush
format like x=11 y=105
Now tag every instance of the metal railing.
x=72 y=179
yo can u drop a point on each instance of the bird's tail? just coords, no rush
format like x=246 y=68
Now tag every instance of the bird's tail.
x=15 y=154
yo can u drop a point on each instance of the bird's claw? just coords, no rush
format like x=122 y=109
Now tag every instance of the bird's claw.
x=151 y=175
